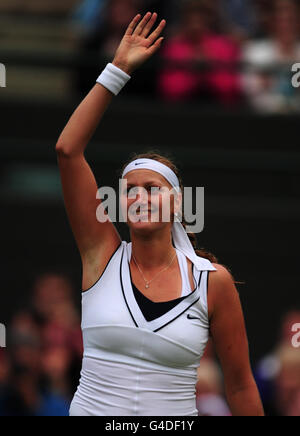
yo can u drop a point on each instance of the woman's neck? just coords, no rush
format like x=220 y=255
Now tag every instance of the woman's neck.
x=152 y=252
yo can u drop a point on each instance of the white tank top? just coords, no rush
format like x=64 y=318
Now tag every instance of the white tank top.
x=135 y=367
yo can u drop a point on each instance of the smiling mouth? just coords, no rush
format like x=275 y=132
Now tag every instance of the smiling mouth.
x=143 y=215
x=144 y=212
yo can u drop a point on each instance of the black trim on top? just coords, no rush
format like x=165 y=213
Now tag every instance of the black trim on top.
x=121 y=281
x=83 y=291
x=199 y=279
x=180 y=298
x=156 y=330
x=151 y=309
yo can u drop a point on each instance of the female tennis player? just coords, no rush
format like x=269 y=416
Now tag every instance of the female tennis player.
x=148 y=307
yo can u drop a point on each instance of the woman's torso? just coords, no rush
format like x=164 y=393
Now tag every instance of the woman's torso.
x=132 y=366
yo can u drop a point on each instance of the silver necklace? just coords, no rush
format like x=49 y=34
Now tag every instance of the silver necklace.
x=147 y=282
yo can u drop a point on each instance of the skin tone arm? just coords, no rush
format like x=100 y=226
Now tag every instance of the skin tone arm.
x=227 y=328
x=97 y=241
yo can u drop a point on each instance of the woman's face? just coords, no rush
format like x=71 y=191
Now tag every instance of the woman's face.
x=147 y=202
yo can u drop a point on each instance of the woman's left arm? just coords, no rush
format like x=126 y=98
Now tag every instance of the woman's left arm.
x=227 y=328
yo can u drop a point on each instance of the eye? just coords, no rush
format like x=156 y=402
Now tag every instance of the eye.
x=133 y=190
x=154 y=189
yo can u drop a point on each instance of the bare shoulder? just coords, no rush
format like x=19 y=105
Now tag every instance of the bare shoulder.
x=220 y=278
x=221 y=289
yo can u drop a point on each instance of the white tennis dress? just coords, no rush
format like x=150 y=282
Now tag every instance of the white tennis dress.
x=135 y=367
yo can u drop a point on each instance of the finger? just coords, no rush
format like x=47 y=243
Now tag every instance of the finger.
x=132 y=24
x=141 y=25
x=154 y=35
x=149 y=25
x=154 y=47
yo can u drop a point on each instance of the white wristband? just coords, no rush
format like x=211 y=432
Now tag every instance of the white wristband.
x=113 y=78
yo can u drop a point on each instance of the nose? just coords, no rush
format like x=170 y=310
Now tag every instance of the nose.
x=142 y=197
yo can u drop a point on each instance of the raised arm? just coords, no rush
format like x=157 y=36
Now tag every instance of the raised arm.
x=97 y=241
x=227 y=328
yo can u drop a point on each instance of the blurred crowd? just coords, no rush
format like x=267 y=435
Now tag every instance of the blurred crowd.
x=277 y=375
x=224 y=52
x=40 y=367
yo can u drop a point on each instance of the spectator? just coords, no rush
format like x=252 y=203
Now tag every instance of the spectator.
x=276 y=372
x=41 y=372
x=196 y=43
x=58 y=319
x=22 y=392
x=267 y=81
x=287 y=381
x=4 y=367
x=25 y=343
x=209 y=390
x=23 y=396
x=55 y=369
x=49 y=291
x=54 y=310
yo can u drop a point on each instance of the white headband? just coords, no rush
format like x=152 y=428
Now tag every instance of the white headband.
x=180 y=237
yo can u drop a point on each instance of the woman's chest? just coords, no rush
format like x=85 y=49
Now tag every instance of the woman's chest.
x=166 y=286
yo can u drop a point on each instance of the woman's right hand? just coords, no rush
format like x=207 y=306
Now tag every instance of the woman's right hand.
x=137 y=45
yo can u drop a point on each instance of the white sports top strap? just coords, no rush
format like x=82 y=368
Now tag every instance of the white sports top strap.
x=186 y=287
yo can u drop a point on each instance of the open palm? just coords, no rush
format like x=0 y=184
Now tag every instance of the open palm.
x=138 y=44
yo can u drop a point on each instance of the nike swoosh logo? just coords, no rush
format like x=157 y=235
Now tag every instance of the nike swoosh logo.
x=139 y=163
x=191 y=317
